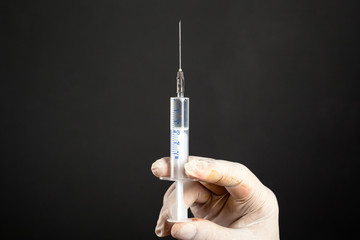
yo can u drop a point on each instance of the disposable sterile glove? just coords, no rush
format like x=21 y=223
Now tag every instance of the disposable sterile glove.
x=228 y=202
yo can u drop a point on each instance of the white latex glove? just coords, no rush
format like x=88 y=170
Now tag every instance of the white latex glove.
x=229 y=202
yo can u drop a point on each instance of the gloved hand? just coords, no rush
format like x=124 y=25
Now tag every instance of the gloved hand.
x=228 y=202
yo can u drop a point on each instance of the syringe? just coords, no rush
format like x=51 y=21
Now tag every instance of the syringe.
x=179 y=143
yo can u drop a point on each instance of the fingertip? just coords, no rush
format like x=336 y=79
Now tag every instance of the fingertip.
x=154 y=168
x=161 y=167
x=183 y=230
x=163 y=227
x=158 y=232
x=175 y=228
x=197 y=167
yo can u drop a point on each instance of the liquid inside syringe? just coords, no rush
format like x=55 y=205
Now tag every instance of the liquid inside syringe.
x=179 y=135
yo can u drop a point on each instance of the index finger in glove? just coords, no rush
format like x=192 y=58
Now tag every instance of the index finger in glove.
x=235 y=177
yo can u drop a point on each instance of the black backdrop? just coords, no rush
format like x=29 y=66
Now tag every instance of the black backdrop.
x=85 y=88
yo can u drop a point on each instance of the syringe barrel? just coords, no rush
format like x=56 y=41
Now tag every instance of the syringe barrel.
x=179 y=136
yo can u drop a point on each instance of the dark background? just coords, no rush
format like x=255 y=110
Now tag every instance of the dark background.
x=85 y=88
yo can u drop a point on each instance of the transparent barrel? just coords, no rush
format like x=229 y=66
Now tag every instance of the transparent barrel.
x=179 y=135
